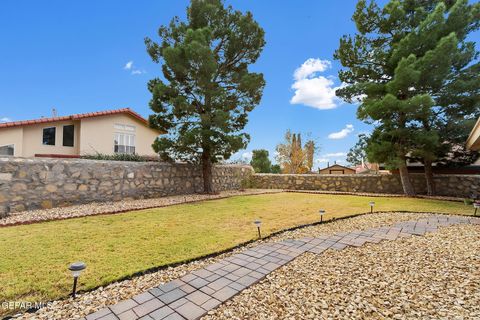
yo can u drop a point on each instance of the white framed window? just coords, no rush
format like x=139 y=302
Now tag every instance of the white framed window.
x=7 y=150
x=124 y=143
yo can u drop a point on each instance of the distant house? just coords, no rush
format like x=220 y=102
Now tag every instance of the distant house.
x=336 y=169
x=106 y=132
x=367 y=168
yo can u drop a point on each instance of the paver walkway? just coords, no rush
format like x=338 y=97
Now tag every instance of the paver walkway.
x=193 y=295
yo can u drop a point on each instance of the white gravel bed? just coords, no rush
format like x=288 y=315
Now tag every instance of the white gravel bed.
x=89 y=302
x=436 y=276
x=95 y=208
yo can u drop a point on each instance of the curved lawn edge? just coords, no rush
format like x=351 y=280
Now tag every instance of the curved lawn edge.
x=113 y=212
x=237 y=247
x=253 y=193
x=377 y=195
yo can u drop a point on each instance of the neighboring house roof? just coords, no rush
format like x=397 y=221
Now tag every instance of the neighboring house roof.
x=337 y=166
x=75 y=117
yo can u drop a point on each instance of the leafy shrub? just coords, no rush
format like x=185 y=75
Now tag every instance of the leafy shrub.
x=119 y=157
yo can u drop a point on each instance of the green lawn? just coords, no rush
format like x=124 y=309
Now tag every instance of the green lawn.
x=34 y=258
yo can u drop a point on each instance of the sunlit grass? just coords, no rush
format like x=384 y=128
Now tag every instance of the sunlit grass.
x=34 y=258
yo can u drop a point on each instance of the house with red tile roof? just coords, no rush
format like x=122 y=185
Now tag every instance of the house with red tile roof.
x=106 y=132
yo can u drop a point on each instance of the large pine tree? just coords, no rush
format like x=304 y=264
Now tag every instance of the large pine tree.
x=207 y=91
x=413 y=71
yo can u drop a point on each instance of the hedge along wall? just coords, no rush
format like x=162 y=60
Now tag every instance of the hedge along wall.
x=446 y=185
x=27 y=184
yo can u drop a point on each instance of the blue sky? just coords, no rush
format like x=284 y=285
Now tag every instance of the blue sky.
x=73 y=55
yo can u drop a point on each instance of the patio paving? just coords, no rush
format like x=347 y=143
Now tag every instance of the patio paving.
x=196 y=293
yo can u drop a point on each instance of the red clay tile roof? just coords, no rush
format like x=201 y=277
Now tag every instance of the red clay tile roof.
x=74 y=117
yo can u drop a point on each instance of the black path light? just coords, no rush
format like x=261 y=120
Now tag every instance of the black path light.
x=372 y=204
x=76 y=268
x=322 y=213
x=258 y=223
x=476 y=205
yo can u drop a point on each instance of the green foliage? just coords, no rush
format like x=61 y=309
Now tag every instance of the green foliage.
x=207 y=91
x=119 y=157
x=276 y=169
x=417 y=76
x=358 y=153
x=260 y=161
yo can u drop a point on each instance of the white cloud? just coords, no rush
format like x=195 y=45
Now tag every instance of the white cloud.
x=342 y=133
x=310 y=67
x=134 y=70
x=321 y=160
x=336 y=154
x=312 y=89
x=5 y=119
x=247 y=156
x=128 y=65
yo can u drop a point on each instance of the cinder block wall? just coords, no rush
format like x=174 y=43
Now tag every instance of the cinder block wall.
x=27 y=184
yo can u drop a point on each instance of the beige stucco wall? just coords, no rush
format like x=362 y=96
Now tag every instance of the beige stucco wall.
x=12 y=136
x=32 y=139
x=97 y=135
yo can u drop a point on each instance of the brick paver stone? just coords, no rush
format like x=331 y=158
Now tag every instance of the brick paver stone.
x=194 y=294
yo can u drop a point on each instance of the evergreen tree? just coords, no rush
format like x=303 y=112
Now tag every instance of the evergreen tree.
x=276 y=169
x=260 y=161
x=404 y=64
x=357 y=155
x=207 y=91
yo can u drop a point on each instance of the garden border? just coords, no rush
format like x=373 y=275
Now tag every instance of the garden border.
x=236 y=247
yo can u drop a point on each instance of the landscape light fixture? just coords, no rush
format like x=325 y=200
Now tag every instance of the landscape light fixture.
x=322 y=212
x=476 y=205
x=372 y=203
x=258 y=223
x=76 y=268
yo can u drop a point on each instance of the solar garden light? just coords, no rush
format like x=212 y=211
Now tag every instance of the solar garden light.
x=322 y=212
x=76 y=268
x=476 y=205
x=258 y=223
x=372 y=203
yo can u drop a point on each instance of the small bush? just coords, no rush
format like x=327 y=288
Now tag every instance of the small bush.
x=119 y=157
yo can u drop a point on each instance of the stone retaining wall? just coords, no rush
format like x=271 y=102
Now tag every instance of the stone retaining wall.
x=27 y=184
x=446 y=185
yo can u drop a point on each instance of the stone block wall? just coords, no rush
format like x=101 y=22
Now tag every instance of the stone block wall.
x=27 y=184
x=447 y=185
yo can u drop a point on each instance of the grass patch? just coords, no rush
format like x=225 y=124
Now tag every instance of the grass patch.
x=34 y=258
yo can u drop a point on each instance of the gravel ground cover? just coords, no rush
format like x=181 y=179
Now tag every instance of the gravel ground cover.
x=436 y=276
x=89 y=302
x=111 y=207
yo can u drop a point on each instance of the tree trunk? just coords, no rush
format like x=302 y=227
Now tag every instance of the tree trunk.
x=207 y=173
x=406 y=183
x=429 y=177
